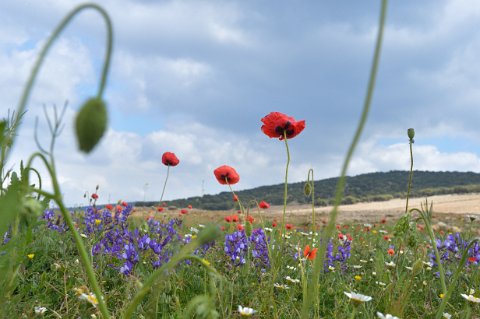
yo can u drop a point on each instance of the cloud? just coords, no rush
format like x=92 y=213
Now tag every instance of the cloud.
x=196 y=77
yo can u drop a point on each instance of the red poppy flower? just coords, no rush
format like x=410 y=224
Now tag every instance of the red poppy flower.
x=340 y=236
x=310 y=253
x=472 y=259
x=277 y=124
x=240 y=227
x=289 y=226
x=189 y=206
x=386 y=237
x=119 y=208
x=226 y=175
x=95 y=196
x=274 y=223
x=184 y=211
x=235 y=198
x=124 y=204
x=383 y=221
x=250 y=219
x=222 y=228
x=170 y=159
x=228 y=219
x=235 y=218
x=109 y=207
x=391 y=252
x=349 y=237
x=264 y=205
x=159 y=209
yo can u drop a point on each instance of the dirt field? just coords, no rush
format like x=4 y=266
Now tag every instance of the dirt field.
x=445 y=207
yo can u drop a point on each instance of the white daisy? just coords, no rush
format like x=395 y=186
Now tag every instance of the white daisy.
x=471 y=298
x=39 y=310
x=357 y=298
x=386 y=316
x=245 y=311
x=295 y=281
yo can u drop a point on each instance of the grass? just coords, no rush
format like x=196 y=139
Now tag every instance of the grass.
x=51 y=277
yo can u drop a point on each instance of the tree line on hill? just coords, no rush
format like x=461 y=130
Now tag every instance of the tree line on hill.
x=380 y=186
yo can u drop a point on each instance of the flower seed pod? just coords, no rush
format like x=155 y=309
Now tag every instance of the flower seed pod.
x=411 y=133
x=90 y=124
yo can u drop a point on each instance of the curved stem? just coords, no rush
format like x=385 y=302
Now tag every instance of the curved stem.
x=341 y=182
x=428 y=226
x=106 y=65
x=410 y=176
x=157 y=274
x=38 y=176
x=165 y=184
x=84 y=257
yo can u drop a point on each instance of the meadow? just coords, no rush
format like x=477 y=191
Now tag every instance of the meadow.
x=111 y=261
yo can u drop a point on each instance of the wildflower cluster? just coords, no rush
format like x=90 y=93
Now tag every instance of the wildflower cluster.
x=452 y=248
x=237 y=245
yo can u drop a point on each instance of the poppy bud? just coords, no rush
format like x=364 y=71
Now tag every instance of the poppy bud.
x=411 y=133
x=90 y=124
x=307 y=190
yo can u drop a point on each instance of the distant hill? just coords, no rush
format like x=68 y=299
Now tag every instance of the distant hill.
x=361 y=188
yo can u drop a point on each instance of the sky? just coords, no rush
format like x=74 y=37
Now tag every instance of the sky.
x=196 y=77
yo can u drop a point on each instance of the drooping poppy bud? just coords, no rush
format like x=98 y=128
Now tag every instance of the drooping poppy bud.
x=91 y=124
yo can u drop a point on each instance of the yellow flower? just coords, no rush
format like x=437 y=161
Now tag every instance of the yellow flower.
x=205 y=262
x=374 y=231
x=441 y=296
x=358 y=277
x=98 y=221
x=30 y=256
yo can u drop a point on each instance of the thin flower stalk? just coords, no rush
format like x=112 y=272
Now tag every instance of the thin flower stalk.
x=165 y=183
x=285 y=191
x=312 y=291
x=411 y=134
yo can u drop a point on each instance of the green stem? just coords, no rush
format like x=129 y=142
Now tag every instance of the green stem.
x=165 y=184
x=108 y=53
x=453 y=283
x=435 y=249
x=157 y=274
x=84 y=257
x=285 y=190
x=410 y=176
x=311 y=181
x=341 y=183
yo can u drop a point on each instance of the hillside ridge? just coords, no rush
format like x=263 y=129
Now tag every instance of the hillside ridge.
x=377 y=186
